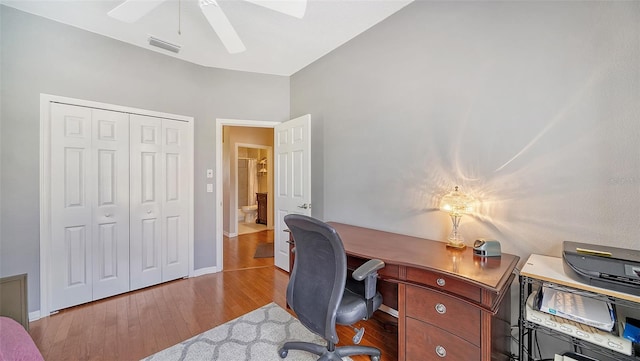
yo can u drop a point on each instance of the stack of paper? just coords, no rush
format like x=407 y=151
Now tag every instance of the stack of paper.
x=576 y=329
x=589 y=311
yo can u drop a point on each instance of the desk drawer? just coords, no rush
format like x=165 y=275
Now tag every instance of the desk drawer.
x=427 y=342
x=444 y=283
x=445 y=312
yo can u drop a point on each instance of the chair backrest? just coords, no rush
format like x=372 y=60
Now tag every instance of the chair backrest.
x=319 y=274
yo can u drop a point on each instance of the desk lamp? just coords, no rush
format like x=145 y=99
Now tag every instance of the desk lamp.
x=456 y=204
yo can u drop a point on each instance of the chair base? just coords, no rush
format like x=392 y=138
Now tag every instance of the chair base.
x=326 y=354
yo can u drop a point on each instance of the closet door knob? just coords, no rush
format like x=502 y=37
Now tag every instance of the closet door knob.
x=149 y=212
x=108 y=215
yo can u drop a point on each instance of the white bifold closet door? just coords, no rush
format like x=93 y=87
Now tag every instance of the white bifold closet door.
x=119 y=205
x=89 y=204
x=159 y=200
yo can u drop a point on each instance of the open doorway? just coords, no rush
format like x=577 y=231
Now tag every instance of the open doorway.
x=240 y=141
x=253 y=183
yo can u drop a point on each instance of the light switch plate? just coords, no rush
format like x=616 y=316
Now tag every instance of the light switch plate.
x=209 y=187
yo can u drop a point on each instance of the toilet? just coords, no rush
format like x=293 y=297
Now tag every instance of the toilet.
x=250 y=213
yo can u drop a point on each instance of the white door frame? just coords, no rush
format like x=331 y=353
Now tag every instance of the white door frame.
x=45 y=187
x=219 y=194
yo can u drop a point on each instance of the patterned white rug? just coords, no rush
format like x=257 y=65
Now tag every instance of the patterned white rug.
x=255 y=336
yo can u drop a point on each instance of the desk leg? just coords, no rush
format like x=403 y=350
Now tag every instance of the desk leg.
x=401 y=323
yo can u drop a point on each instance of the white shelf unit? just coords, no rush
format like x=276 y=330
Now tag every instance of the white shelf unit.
x=549 y=271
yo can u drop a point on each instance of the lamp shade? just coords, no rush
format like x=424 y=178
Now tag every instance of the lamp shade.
x=456 y=203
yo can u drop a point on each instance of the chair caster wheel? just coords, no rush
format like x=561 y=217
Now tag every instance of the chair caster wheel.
x=283 y=353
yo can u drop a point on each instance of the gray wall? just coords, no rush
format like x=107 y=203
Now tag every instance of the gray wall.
x=41 y=56
x=530 y=106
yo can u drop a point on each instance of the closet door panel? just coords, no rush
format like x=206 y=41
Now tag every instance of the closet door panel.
x=146 y=184
x=71 y=206
x=111 y=210
x=175 y=233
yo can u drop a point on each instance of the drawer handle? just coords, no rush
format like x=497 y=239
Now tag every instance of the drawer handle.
x=440 y=282
x=441 y=351
x=441 y=309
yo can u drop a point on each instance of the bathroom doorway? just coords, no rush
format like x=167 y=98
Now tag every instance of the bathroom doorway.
x=247 y=149
x=254 y=187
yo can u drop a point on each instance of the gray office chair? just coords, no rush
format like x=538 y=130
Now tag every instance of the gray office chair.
x=319 y=293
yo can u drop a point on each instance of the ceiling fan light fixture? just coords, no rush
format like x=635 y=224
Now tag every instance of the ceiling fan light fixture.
x=163 y=44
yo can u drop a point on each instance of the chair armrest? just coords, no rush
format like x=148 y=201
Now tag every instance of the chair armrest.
x=368 y=273
x=370 y=267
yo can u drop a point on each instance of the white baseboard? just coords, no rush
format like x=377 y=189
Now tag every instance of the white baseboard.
x=205 y=271
x=34 y=316
x=230 y=235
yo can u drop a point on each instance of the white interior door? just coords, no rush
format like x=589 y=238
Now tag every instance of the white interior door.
x=145 y=217
x=71 y=203
x=90 y=204
x=110 y=176
x=175 y=200
x=292 y=145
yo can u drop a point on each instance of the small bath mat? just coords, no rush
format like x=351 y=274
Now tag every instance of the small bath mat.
x=264 y=250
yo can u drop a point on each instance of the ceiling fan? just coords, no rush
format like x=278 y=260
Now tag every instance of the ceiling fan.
x=131 y=11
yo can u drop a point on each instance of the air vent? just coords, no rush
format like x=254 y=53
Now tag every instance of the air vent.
x=163 y=44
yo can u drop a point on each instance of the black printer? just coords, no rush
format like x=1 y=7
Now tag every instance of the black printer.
x=613 y=268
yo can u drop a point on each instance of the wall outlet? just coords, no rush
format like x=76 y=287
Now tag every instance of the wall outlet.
x=209 y=173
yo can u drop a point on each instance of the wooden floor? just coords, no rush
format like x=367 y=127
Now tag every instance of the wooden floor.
x=138 y=324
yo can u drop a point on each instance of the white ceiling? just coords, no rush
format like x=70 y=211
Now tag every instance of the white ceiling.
x=276 y=43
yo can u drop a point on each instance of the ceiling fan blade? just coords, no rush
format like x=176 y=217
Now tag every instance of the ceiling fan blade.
x=131 y=11
x=295 y=8
x=221 y=25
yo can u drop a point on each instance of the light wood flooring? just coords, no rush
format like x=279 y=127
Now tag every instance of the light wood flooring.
x=138 y=324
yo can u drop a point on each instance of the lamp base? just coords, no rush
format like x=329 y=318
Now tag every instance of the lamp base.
x=455 y=239
x=456 y=245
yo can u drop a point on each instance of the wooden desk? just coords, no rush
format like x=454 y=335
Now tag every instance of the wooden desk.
x=452 y=305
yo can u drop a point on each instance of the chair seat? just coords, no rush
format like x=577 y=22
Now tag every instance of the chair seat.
x=353 y=307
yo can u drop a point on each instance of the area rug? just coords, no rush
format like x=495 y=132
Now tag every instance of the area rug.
x=264 y=250
x=255 y=336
